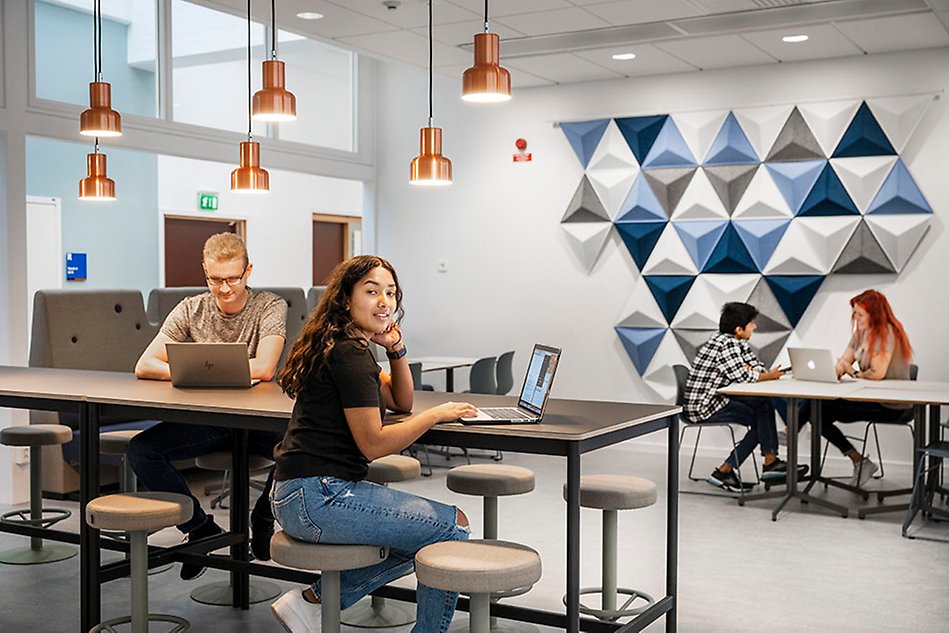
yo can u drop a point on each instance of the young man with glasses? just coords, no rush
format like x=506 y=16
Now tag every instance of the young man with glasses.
x=230 y=312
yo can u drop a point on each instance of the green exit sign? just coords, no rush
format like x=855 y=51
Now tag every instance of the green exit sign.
x=207 y=201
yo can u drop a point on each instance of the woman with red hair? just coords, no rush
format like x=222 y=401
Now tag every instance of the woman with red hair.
x=880 y=349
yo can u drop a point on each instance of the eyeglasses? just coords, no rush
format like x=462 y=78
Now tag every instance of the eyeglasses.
x=230 y=281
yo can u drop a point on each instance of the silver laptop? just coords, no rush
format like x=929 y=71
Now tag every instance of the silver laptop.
x=209 y=365
x=814 y=364
x=534 y=394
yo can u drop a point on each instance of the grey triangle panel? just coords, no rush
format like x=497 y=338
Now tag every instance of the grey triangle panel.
x=768 y=345
x=795 y=141
x=730 y=182
x=669 y=185
x=863 y=255
x=691 y=340
x=585 y=205
x=771 y=317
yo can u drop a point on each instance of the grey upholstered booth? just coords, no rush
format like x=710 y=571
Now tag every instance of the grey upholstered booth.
x=297 y=312
x=313 y=296
x=161 y=301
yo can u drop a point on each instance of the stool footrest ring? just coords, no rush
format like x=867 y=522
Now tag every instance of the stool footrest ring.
x=23 y=516
x=623 y=611
x=109 y=625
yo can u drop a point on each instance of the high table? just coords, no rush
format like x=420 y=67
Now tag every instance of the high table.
x=570 y=429
x=448 y=364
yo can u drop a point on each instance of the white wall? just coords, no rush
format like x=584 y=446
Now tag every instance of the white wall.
x=512 y=279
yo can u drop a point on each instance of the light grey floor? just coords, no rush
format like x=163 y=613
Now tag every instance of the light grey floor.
x=738 y=570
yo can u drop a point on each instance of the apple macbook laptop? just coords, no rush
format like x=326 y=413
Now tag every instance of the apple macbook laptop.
x=813 y=364
x=209 y=365
x=534 y=393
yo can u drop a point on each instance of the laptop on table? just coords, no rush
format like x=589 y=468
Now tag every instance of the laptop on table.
x=209 y=365
x=814 y=364
x=534 y=394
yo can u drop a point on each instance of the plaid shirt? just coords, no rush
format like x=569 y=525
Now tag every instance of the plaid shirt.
x=722 y=361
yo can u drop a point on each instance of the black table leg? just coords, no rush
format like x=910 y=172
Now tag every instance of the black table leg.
x=919 y=440
x=573 y=539
x=672 y=522
x=89 y=588
x=240 y=519
x=450 y=379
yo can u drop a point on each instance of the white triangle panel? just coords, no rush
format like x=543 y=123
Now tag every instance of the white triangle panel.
x=731 y=287
x=670 y=257
x=862 y=176
x=702 y=306
x=641 y=310
x=762 y=200
x=659 y=374
x=828 y=121
x=699 y=129
x=899 y=116
x=587 y=240
x=700 y=202
x=612 y=169
x=828 y=235
x=762 y=125
x=899 y=235
x=795 y=254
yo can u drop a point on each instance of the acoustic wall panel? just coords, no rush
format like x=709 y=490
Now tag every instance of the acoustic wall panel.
x=700 y=202
x=669 y=185
x=669 y=149
x=762 y=199
x=863 y=255
x=828 y=120
x=700 y=238
x=730 y=182
x=827 y=197
x=586 y=240
x=864 y=137
x=641 y=309
x=899 y=194
x=761 y=237
x=900 y=116
x=899 y=235
x=670 y=256
x=583 y=137
x=641 y=204
x=640 y=238
x=794 y=294
x=640 y=344
x=731 y=146
x=795 y=141
x=862 y=176
x=699 y=129
x=795 y=179
x=585 y=205
x=762 y=125
x=612 y=169
x=669 y=292
x=641 y=132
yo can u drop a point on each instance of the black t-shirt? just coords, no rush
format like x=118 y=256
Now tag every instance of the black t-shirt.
x=318 y=442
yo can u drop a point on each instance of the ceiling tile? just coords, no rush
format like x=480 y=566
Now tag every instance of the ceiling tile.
x=825 y=41
x=721 y=51
x=338 y=21
x=519 y=78
x=640 y=11
x=556 y=21
x=897 y=33
x=410 y=13
x=649 y=60
x=408 y=47
x=463 y=32
x=511 y=7
x=561 y=68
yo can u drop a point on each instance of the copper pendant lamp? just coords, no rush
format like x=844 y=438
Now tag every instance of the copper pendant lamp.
x=274 y=102
x=486 y=81
x=430 y=167
x=96 y=186
x=249 y=177
x=99 y=119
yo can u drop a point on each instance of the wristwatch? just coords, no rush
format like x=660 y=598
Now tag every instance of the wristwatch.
x=396 y=355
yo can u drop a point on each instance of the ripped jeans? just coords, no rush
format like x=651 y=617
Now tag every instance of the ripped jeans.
x=331 y=510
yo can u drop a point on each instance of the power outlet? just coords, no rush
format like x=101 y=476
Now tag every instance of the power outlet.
x=23 y=455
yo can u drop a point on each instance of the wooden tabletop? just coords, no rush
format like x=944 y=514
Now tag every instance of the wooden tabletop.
x=791 y=388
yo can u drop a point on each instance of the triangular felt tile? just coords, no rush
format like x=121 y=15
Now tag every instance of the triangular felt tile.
x=669 y=150
x=699 y=129
x=828 y=121
x=762 y=199
x=640 y=344
x=612 y=169
x=730 y=255
x=729 y=287
x=795 y=179
x=670 y=256
x=762 y=125
x=796 y=253
x=899 y=235
x=794 y=294
x=863 y=255
x=767 y=345
x=771 y=317
x=700 y=238
x=640 y=132
x=731 y=146
x=700 y=202
x=761 y=237
x=864 y=137
x=659 y=374
x=730 y=182
x=862 y=176
x=691 y=340
x=640 y=238
x=641 y=310
x=900 y=116
x=585 y=205
x=583 y=137
x=795 y=142
x=827 y=197
x=587 y=240
x=703 y=305
x=641 y=204
x=899 y=194
x=669 y=185
x=828 y=236
x=669 y=292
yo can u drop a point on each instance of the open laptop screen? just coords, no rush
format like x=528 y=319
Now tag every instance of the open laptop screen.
x=540 y=376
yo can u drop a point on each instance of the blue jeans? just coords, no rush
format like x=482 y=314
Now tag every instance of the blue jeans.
x=331 y=510
x=151 y=453
x=758 y=415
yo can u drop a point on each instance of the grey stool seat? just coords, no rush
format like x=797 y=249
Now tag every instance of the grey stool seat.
x=36 y=436
x=611 y=493
x=116 y=442
x=393 y=469
x=478 y=568
x=137 y=514
x=490 y=480
x=330 y=559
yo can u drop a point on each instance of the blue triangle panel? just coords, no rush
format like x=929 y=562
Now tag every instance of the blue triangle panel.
x=828 y=197
x=899 y=194
x=794 y=293
x=731 y=146
x=795 y=179
x=640 y=133
x=641 y=204
x=700 y=238
x=864 y=137
x=584 y=136
x=670 y=149
x=761 y=237
x=640 y=238
x=641 y=344
x=669 y=291
x=730 y=255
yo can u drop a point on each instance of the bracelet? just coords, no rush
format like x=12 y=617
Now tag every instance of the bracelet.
x=397 y=354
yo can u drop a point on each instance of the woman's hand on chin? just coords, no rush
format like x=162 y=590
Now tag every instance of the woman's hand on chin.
x=390 y=338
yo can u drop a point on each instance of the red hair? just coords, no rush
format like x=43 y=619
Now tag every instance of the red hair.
x=882 y=320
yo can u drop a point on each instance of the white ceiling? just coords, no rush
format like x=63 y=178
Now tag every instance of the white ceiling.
x=561 y=41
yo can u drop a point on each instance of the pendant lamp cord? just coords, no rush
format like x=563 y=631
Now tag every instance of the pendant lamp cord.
x=485 y=16
x=249 y=107
x=273 y=29
x=97 y=39
x=430 y=61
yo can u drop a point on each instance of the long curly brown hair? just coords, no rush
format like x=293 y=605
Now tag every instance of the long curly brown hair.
x=331 y=323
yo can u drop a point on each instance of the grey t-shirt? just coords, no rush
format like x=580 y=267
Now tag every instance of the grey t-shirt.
x=898 y=369
x=198 y=319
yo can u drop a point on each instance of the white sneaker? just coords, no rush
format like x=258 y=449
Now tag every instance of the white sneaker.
x=295 y=614
x=863 y=471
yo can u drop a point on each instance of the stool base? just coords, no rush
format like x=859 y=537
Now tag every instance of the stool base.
x=50 y=517
x=611 y=615
x=378 y=613
x=30 y=556
x=220 y=593
x=461 y=624
x=109 y=625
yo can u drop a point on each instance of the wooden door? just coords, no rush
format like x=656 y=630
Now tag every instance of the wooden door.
x=332 y=243
x=184 y=243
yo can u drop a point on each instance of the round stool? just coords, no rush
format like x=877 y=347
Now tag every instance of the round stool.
x=490 y=481
x=329 y=560
x=36 y=436
x=478 y=568
x=612 y=493
x=137 y=514
x=221 y=461
x=375 y=612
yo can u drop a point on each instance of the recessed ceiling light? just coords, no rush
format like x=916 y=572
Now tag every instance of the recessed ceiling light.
x=310 y=15
x=795 y=39
x=622 y=57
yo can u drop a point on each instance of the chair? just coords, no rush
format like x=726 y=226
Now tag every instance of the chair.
x=505 y=373
x=682 y=376
x=490 y=481
x=482 y=378
x=313 y=296
x=920 y=499
x=416 y=369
